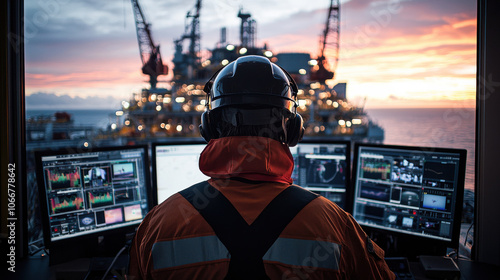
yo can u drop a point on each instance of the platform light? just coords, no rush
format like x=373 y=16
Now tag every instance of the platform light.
x=206 y=63
x=86 y=144
x=335 y=104
x=153 y=97
x=179 y=128
x=158 y=108
x=302 y=102
x=324 y=95
x=167 y=100
x=348 y=123
x=127 y=122
x=125 y=104
x=113 y=126
x=140 y=127
x=119 y=113
x=356 y=121
x=180 y=99
x=243 y=51
x=316 y=85
x=302 y=71
x=162 y=125
x=312 y=62
x=342 y=122
x=225 y=62
x=230 y=47
x=268 y=53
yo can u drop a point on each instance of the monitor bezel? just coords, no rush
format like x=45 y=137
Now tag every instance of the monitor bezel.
x=454 y=242
x=154 y=178
x=49 y=243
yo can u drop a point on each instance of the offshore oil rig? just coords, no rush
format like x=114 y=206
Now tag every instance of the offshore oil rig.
x=158 y=112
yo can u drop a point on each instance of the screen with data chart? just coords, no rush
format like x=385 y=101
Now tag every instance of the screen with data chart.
x=95 y=191
x=414 y=191
x=323 y=168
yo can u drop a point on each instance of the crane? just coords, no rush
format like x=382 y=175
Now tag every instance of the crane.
x=185 y=64
x=330 y=37
x=152 y=64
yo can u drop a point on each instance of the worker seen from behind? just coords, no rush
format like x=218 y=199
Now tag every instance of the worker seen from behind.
x=249 y=221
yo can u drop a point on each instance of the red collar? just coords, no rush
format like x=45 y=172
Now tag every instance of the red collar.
x=250 y=157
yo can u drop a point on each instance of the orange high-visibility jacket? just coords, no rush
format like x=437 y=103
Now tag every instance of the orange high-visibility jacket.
x=321 y=242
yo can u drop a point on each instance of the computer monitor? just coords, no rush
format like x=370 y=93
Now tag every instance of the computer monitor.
x=412 y=193
x=175 y=167
x=323 y=167
x=92 y=193
x=320 y=166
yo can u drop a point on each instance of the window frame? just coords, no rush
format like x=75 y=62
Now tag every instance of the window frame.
x=487 y=228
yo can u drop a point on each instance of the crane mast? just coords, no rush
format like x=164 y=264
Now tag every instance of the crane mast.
x=185 y=64
x=194 y=35
x=329 y=37
x=247 y=29
x=152 y=64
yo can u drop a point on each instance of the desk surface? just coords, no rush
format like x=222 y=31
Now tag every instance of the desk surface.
x=469 y=270
x=38 y=268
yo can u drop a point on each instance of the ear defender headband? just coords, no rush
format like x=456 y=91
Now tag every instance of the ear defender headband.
x=252 y=81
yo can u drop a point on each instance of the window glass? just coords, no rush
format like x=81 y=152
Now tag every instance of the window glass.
x=405 y=72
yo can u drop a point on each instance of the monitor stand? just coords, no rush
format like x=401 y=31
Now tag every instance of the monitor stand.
x=97 y=246
x=407 y=246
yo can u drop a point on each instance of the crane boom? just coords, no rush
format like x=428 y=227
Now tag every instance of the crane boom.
x=331 y=32
x=329 y=37
x=152 y=64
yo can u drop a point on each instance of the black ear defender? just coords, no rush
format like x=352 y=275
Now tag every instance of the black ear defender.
x=294 y=130
x=295 y=124
x=207 y=130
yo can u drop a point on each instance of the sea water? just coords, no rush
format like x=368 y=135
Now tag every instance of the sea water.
x=98 y=118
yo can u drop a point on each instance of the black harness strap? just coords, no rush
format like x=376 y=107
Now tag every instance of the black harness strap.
x=247 y=244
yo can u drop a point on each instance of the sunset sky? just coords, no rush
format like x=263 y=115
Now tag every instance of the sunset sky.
x=394 y=53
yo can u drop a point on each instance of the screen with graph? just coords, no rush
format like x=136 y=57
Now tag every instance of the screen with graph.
x=410 y=190
x=323 y=168
x=93 y=191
